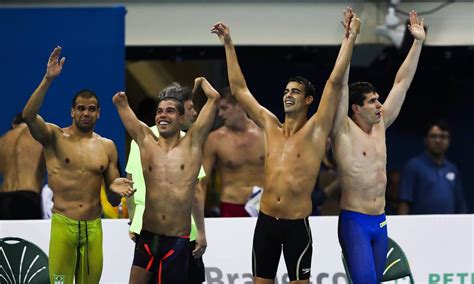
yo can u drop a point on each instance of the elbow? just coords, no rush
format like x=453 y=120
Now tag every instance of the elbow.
x=27 y=116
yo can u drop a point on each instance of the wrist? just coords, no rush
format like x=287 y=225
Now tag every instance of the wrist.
x=48 y=79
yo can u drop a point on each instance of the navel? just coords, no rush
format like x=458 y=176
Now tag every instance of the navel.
x=261 y=158
x=149 y=168
x=102 y=168
x=163 y=217
x=364 y=153
x=229 y=163
x=67 y=160
x=298 y=155
x=182 y=166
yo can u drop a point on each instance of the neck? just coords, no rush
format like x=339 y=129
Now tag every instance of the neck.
x=169 y=141
x=74 y=130
x=437 y=158
x=366 y=127
x=294 y=122
x=241 y=125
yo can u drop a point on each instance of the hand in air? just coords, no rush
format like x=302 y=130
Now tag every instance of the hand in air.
x=416 y=26
x=346 y=21
x=222 y=31
x=120 y=99
x=201 y=82
x=55 y=65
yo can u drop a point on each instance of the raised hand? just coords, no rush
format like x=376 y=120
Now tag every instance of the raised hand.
x=416 y=26
x=55 y=65
x=122 y=187
x=354 y=25
x=347 y=19
x=222 y=31
x=201 y=82
x=120 y=99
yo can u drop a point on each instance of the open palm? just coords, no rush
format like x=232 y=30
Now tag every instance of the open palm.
x=416 y=26
x=55 y=65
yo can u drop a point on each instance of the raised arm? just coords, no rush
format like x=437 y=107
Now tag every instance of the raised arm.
x=238 y=86
x=324 y=117
x=135 y=127
x=393 y=103
x=41 y=131
x=200 y=129
x=340 y=119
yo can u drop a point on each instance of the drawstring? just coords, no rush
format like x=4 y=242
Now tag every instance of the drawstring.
x=87 y=249
x=87 y=244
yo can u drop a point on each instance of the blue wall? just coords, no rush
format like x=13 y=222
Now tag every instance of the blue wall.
x=93 y=41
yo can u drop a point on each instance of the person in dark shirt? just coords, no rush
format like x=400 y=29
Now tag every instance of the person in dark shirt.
x=430 y=184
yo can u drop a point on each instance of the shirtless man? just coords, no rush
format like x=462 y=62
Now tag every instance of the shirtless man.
x=358 y=137
x=22 y=169
x=77 y=161
x=294 y=151
x=237 y=151
x=171 y=163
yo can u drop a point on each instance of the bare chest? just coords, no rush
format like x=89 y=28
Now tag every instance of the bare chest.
x=176 y=162
x=241 y=152
x=362 y=150
x=87 y=155
x=292 y=152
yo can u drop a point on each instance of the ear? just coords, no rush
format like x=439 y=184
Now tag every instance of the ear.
x=72 y=112
x=355 y=108
x=98 y=113
x=309 y=100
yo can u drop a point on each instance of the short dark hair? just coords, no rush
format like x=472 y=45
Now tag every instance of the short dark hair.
x=309 y=89
x=179 y=103
x=442 y=124
x=226 y=94
x=175 y=90
x=357 y=93
x=87 y=94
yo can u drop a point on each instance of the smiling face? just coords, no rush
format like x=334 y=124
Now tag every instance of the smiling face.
x=294 y=99
x=168 y=119
x=85 y=113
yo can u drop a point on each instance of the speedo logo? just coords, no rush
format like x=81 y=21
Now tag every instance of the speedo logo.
x=383 y=224
x=305 y=270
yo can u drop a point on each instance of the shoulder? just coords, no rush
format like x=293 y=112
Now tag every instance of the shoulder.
x=218 y=134
x=108 y=143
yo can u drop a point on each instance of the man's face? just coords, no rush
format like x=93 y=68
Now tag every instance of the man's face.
x=85 y=113
x=190 y=114
x=371 y=111
x=229 y=113
x=294 y=99
x=168 y=120
x=437 y=141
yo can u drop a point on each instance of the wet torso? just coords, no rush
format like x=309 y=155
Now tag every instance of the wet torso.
x=292 y=165
x=22 y=164
x=76 y=167
x=362 y=159
x=240 y=161
x=170 y=176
